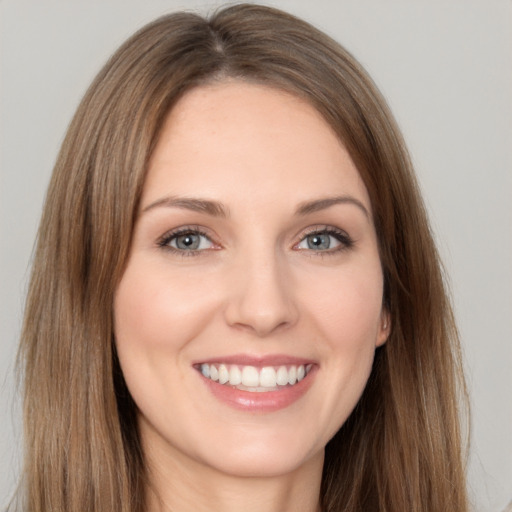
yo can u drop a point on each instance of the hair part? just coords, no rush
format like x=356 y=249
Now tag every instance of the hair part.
x=401 y=447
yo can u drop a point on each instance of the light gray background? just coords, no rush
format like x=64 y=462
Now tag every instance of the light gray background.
x=446 y=69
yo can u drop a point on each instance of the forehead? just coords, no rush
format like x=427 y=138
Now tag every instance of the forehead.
x=249 y=140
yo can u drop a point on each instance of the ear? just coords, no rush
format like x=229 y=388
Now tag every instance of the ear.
x=384 y=328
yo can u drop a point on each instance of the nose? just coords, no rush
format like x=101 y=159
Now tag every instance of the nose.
x=261 y=298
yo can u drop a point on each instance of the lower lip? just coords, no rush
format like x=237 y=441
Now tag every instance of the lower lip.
x=265 y=401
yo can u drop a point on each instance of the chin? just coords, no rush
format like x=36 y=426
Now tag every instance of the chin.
x=264 y=452
x=265 y=462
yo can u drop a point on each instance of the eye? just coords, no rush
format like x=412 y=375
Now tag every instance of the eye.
x=186 y=240
x=325 y=240
x=318 y=242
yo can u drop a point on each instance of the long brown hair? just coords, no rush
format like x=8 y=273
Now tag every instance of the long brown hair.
x=400 y=450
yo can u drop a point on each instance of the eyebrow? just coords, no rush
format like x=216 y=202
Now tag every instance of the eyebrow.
x=322 y=204
x=217 y=209
x=213 y=208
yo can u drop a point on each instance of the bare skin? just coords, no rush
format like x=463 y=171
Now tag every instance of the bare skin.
x=254 y=247
x=176 y=484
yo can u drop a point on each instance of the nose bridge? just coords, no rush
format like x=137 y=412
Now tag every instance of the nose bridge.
x=262 y=298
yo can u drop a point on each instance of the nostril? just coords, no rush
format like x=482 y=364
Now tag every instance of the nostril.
x=260 y=326
x=262 y=317
x=261 y=298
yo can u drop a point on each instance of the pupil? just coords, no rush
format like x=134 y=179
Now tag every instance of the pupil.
x=319 y=241
x=188 y=241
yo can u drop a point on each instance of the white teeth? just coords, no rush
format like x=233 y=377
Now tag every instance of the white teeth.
x=214 y=373
x=205 y=370
x=292 y=375
x=268 y=377
x=223 y=374
x=282 y=376
x=235 y=376
x=251 y=378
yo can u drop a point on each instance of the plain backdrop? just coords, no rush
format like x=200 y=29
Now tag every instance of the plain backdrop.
x=446 y=70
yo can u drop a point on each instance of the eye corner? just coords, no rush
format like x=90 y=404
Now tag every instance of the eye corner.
x=326 y=240
x=187 y=241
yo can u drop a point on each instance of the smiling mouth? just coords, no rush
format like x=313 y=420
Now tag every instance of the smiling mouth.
x=255 y=379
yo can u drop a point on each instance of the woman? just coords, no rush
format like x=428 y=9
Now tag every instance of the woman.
x=236 y=299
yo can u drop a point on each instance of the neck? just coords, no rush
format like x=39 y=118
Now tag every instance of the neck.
x=182 y=485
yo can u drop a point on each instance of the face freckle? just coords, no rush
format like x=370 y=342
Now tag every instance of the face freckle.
x=254 y=251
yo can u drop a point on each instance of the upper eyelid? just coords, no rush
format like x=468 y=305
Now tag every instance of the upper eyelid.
x=175 y=232
x=187 y=229
x=345 y=239
x=322 y=228
x=203 y=231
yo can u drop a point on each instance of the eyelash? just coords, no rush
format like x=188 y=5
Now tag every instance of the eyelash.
x=346 y=242
x=168 y=237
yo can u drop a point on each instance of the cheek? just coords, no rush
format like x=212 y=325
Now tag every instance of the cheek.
x=347 y=307
x=156 y=317
x=152 y=308
x=340 y=318
x=157 y=314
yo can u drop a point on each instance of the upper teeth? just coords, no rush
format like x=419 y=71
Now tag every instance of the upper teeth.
x=253 y=377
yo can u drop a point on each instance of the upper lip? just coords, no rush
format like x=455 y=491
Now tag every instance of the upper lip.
x=257 y=360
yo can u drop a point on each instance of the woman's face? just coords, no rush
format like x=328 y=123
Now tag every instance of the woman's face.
x=248 y=315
